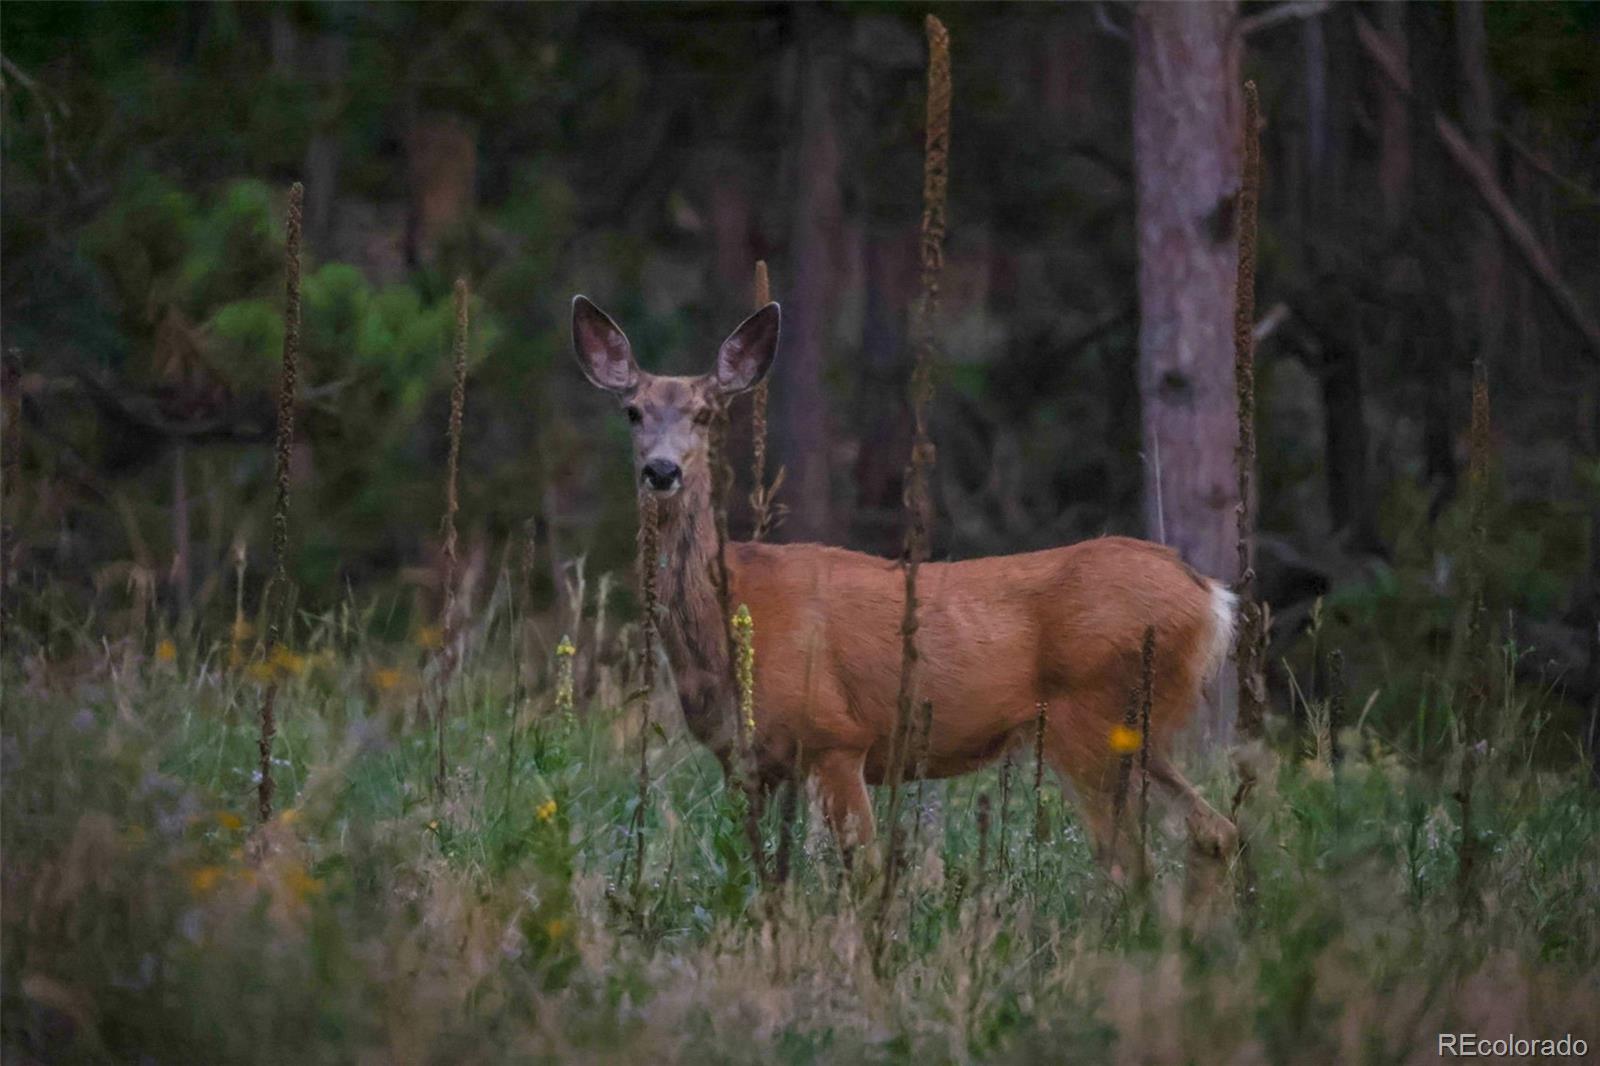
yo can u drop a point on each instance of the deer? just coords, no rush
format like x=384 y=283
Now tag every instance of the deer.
x=1001 y=639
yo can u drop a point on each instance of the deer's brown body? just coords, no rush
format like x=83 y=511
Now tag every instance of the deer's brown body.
x=996 y=636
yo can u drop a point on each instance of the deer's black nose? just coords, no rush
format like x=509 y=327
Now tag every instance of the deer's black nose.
x=661 y=474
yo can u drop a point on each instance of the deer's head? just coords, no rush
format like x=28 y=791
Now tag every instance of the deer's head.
x=671 y=416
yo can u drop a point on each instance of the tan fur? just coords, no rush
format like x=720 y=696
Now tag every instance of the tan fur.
x=996 y=635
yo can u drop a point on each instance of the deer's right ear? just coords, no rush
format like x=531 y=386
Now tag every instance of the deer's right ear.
x=603 y=351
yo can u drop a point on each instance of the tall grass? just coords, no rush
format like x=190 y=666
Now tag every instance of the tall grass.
x=383 y=926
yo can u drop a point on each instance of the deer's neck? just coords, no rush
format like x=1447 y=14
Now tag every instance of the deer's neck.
x=689 y=614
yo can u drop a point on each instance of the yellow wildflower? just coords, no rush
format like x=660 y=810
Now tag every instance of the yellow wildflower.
x=166 y=651
x=301 y=884
x=555 y=928
x=229 y=820
x=433 y=826
x=744 y=633
x=545 y=811
x=205 y=878
x=386 y=679
x=565 y=652
x=287 y=662
x=1125 y=741
x=429 y=637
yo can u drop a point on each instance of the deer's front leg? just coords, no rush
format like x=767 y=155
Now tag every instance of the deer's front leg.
x=840 y=785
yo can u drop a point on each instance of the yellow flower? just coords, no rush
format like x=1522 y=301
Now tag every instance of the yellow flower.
x=1125 y=741
x=433 y=826
x=229 y=820
x=301 y=884
x=205 y=878
x=555 y=928
x=565 y=693
x=744 y=633
x=166 y=651
x=386 y=679
x=429 y=637
x=287 y=662
x=545 y=811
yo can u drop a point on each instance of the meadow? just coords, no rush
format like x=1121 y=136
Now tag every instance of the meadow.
x=386 y=825
x=147 y=917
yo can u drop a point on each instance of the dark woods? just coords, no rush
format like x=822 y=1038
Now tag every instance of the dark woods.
x=1429 y=199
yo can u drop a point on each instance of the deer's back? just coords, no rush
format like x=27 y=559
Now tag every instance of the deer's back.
x=995 y=634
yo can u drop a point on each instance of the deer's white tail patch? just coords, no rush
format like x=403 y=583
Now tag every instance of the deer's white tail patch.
x=1224 y=619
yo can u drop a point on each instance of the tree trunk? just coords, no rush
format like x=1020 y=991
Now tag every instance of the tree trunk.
x=802 y=407
x=1477 y=117
x=883 y=415
x=442 y=172
x=1186 y=153
x=1394 y=128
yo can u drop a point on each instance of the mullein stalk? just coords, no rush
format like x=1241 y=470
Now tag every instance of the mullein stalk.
x=277 y=584
x=1126 y=748
x=1147 y=656
x=1477 y=695
x=721 y=485
x=920 y=765
x=1250 y=647
x=1005 y=809
x=935 y=185
x=1041 y=826
x=765 y=513
x=447 y=650
x=649 y=567
x=1336 y=716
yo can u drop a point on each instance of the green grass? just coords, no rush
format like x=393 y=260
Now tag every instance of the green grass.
x=145 y=919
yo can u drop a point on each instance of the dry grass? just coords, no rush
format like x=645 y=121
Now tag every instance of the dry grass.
x=384 y=927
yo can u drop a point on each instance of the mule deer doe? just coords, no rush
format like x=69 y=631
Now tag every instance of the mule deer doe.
x=996 y=635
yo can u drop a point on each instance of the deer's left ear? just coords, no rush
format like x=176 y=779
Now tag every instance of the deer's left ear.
x=747 y=354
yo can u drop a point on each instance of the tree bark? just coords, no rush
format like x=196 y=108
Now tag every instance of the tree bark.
x=1186 y=108
x=442 y=172
x=802 y=407
x=1477 y=115
x=1394 y=128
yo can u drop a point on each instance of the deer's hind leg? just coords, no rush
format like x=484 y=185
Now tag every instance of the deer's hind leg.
x=1077 y=745
x=841 y=785
x=1211 y=834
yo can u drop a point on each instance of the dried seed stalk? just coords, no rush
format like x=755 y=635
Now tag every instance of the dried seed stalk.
x=936 y=175
x=1147 y=656
x=649 y=567
x=1250 y=648
x=766 y=515
x=1477 y=697
x=277 y=584
x=1041 y=826
x=721 y=484
x=447 y=660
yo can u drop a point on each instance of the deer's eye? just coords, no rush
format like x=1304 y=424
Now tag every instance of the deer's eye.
x=635 y=415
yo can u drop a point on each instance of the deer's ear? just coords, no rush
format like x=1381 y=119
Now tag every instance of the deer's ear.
x=747 y=354
x=603 y=351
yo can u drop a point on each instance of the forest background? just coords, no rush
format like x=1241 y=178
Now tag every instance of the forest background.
x=1429 y=199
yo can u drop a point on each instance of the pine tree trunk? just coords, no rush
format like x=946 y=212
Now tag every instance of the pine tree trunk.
x=1186 y=153
x=802 y=407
